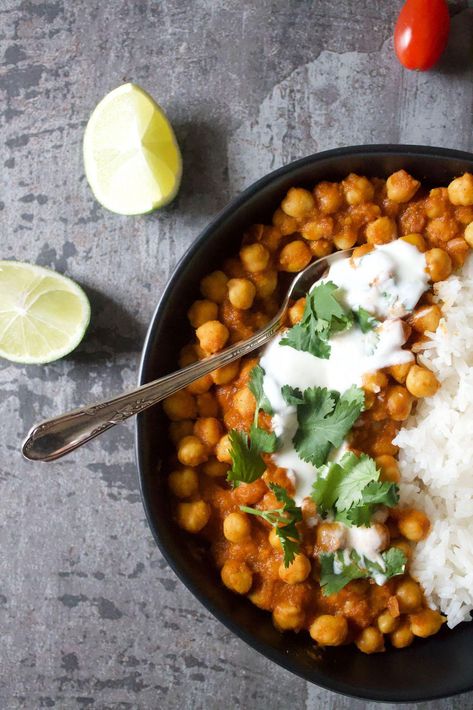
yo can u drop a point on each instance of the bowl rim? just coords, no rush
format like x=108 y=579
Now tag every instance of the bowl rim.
x=380 y=150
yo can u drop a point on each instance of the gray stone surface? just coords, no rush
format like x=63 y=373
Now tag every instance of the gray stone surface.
x=91 y=616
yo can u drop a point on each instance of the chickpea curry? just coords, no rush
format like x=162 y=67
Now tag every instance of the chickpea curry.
x=285 y=463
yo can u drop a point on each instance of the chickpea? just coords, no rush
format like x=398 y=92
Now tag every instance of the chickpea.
x=236 y=527
x=184 y=482
x=285 y=224
x=320 y=248
x=399 y=372
x=191 y=451
x=213 y=468
x=275 y=540
x=469 y=234
x=416 y=240
x=320 y=228
x=241 y=293
x=460 y=190
x=265 y=282
x=464 y=215
x=426 y=318
x=212 y=336
x=402 y=636
x=409 y=596
x=442 y=229
x=401 y=187
x=193 y=516
x=180 y=405
x=214 y=286
x=295 y=256
x=178 y=430
x=298 y=570
x=437 y=202
x=414 y=525
x=298 y=203
x=458 y=250
x=399 y=403
x=330 y=536
x=357 y=189
x=426 y=623
x=226 y=374
x=202 y=311
x=387 y=623
x=203 y=384
x=244 y=402
x=288 y=617
x=254 y=257
x=329 y=197
x=383 y=444
x=207 y=405
x=381 y=231
x=374 y=381
x=421 y=382
x=346 y=238
x=297 y=311
x=208 y=430
x=439 y=264
x=389 y=468
x=222 y=450
x=237 y=576
x=370 y=640
x=270 y=237
x=328 y=630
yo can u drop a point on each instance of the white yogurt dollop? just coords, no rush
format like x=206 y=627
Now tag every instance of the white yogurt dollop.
x=388 y=283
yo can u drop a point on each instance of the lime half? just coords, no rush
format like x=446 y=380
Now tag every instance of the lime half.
x=43 y=315
x=131 y=157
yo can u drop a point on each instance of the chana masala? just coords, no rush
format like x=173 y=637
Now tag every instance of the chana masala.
x=285 y=462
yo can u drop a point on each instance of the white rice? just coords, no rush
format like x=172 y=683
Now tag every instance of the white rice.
x=436 y=456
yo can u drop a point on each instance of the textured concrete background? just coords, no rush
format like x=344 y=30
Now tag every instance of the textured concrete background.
x=90 y=614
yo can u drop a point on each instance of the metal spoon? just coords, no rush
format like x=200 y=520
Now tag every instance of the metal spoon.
x=56 y=437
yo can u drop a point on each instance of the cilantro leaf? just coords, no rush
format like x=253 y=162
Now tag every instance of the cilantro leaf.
x=323 y=316
x=332 y=580
x=255 y=385
x=350 y=490
x=395 y=562
x=263 y=441
x=365 y=320
x=292 y=395
x=339 y=568
x=324 y=418
x=307 y=339
x=284 y=521
x=247 y=464
x=358 y=472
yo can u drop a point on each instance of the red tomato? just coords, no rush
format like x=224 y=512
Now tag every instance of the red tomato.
x=421 y=33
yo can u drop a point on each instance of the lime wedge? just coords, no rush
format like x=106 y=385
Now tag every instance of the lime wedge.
x=43 y=315
x=131 y=157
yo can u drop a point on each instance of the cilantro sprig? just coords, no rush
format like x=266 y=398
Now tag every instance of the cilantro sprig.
x=283 y=520
x=246 y=450
x=323 y=316
x=324 y=418
x=350 y=490
x=337 y=569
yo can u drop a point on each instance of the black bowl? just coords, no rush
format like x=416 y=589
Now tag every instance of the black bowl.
x=431 y=668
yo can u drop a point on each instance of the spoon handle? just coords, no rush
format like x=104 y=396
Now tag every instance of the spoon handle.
x=56 y=437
